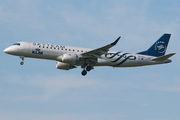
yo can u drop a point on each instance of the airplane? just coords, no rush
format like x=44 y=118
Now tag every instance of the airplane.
x=70 y=57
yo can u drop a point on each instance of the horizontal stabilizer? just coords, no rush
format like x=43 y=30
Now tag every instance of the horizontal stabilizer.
x=162 y=58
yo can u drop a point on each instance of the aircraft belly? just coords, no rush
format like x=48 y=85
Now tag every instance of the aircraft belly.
x=103 y=62
x=123 y=63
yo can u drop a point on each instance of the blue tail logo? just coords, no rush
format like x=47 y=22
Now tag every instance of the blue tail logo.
x=159 y=47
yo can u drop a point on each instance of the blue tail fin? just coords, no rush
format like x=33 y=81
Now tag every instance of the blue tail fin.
x=159 y=47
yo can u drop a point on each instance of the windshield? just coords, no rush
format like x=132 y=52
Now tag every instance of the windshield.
x=17 y=44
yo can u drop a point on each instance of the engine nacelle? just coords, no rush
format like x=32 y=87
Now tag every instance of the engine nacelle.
x=70 y=58
x=64 y=66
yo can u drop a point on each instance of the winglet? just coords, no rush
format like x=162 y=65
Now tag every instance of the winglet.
x=114 y=43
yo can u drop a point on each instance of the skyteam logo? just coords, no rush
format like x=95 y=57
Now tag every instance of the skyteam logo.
x=160 y=47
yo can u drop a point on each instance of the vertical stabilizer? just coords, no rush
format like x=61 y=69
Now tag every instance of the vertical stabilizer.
x=159 y=47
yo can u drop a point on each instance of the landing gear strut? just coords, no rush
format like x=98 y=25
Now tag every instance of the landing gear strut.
x=22 y=58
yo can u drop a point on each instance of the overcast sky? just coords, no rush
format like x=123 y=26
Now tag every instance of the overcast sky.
x=39 y=91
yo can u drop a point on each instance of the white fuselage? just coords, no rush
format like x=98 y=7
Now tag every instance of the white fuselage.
x=54 y=52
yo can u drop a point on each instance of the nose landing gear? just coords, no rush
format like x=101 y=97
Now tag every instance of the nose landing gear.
x=22 y=63
x=22 y=58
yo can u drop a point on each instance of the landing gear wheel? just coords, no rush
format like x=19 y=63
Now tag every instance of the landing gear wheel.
x=22 y=63
x=88 y=68
x=84 y=72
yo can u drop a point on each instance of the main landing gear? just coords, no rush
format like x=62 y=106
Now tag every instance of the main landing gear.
x=84 y=72
x=22 y=58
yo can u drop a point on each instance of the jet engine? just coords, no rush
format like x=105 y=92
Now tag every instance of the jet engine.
x=70 y=58
x=64 y=66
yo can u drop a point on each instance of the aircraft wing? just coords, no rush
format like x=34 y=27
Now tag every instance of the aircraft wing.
x=102 y=50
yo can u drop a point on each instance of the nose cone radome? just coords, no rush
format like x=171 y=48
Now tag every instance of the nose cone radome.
x=7 y=50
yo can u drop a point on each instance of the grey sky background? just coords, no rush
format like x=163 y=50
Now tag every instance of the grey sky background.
x=37 y=90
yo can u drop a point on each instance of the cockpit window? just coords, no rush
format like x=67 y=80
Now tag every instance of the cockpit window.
x=17 y=44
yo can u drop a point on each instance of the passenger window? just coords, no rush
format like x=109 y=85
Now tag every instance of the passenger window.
x=77 y=50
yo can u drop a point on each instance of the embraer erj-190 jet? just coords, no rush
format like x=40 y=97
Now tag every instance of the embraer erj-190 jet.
x=70 y=57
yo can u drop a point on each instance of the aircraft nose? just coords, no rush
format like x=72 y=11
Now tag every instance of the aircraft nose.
x=7 y=50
